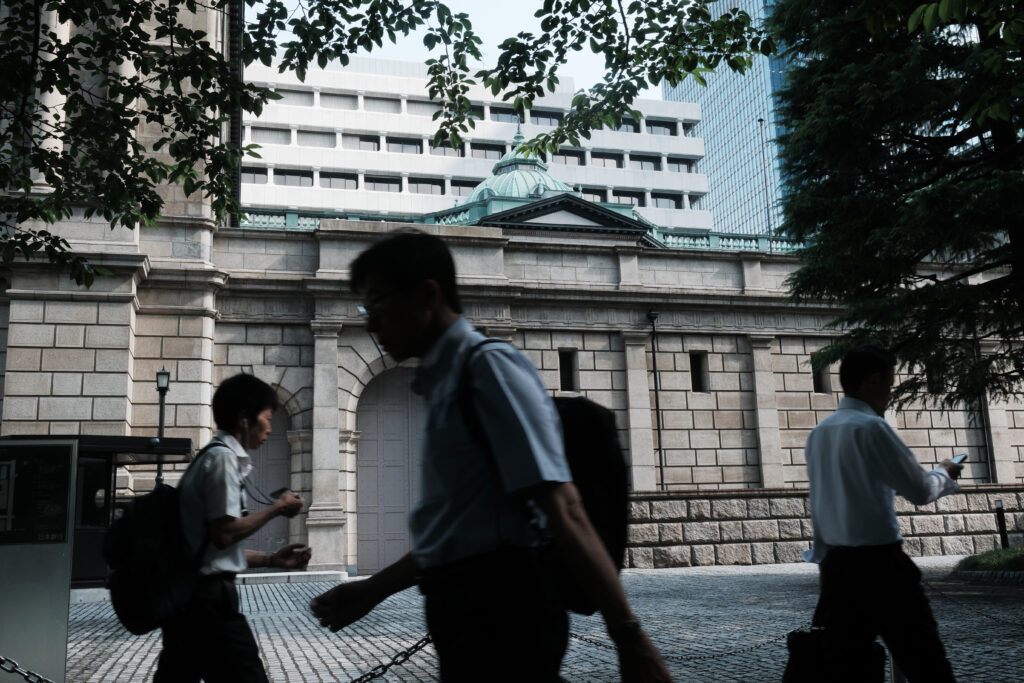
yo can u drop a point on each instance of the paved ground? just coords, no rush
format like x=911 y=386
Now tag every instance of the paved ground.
x=712 y=623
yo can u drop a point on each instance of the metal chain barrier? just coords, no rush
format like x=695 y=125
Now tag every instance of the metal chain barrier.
x=398 y=659
x=694 y=658
x=967 y=607
x=10 y=666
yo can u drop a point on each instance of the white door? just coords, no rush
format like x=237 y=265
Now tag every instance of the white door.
x=390 y=423
x=270 y=471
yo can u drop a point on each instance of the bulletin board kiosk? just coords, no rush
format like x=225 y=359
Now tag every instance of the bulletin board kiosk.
x=56 y=502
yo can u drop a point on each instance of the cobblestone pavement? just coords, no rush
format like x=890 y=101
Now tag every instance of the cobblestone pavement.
x=711 y=623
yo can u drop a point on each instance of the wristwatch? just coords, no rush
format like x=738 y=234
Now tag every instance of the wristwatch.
x=625 y=632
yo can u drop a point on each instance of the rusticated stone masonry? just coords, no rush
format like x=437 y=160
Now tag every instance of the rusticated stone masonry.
x=765 y=526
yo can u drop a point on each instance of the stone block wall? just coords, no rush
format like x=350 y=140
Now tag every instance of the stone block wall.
x=774 y=526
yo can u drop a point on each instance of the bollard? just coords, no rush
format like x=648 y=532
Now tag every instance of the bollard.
x=1001 y=523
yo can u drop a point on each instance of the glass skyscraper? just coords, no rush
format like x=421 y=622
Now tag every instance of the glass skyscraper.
x=739 y=128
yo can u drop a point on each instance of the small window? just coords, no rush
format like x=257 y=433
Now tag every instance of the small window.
x=644 y=163
x=483 y=151
x=568 y=370
x=293 y=178
x=546 y=118
x=667 y=200
x=568 y=157
x=445 y=149
x=255 y=176
x=628 y=126
x=694 y=201
x=628 y=197
x=421 y=108
x=369 y=143
x=699 y=380
x=382 y=184
x=504 y=115
x=295 y=98
x=273 y=136
x=477 y=112
x=606 y=159
x=383 y=105
x=688 y=129
x=339 y=181
x=661 y=127
x=680 y=165
x=335 y=101
x=822 y=381
x=426 y=186
x=405 y=146
x=595 y=195
x=308 y=138
x=464 y=188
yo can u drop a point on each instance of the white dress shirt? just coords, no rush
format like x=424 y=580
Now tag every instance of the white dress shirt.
x=212 y=489
x=856 y=465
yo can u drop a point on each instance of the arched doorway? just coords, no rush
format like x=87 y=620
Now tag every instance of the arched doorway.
x=271 y=470
x=390 y=423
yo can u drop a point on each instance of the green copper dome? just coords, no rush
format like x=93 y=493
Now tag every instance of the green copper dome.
x=518 y=176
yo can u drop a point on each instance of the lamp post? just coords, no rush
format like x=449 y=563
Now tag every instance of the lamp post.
x=163 y=383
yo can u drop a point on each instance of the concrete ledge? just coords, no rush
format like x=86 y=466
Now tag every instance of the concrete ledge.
x=990 y=577
x=289 y=577
x=82 y=595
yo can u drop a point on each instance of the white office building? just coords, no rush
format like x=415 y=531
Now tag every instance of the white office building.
x=357 y=143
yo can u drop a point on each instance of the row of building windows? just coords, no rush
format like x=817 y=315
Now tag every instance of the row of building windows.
x=538 y=117
x=459 y=188
x=700 y=377
x=476 y=150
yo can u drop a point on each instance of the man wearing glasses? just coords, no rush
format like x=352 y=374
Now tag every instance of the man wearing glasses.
x=492 y=608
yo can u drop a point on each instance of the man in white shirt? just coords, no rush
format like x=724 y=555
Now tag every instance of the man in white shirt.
x=210 y=639
x=856 y=464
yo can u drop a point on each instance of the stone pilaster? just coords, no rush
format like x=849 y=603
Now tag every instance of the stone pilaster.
x=642 y=466
x=769 y=447
x=326 y=514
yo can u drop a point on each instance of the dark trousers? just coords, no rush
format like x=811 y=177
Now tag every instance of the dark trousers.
x=210 y=639
x=876 y=590
x=496 y=617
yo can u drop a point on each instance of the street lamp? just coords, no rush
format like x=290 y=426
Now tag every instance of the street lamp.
x=652 y=315
x=163 y=382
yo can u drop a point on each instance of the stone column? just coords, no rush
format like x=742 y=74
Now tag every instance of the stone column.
x=642 y=472
x=326 y=514
x=769 y=446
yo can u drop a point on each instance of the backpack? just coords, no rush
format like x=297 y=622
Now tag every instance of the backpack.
x=598 y=471
x=152 y=573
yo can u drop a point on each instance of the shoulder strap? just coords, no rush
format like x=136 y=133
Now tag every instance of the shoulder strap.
x=465 y=398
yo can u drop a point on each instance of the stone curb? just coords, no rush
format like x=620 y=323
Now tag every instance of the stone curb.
x=996 y=577
x=82 y=595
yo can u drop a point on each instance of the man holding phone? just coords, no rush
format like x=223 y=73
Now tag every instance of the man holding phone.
x=856 y=465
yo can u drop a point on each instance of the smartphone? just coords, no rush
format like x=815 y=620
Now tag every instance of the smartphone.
x=957 y=459
x=277 y=493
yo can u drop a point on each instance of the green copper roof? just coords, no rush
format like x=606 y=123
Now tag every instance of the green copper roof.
x=518 y=176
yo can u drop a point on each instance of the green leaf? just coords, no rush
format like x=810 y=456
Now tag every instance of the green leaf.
x=915 y=18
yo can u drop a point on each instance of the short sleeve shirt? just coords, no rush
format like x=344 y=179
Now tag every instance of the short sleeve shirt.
x=212 y=489
x=468 y=504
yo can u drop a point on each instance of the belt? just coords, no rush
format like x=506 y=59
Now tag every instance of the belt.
x=479 y=569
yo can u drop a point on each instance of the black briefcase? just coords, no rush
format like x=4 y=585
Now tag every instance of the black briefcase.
x=813 y=658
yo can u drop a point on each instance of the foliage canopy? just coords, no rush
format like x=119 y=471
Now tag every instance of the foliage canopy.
x=904 y=173
x=80 y=79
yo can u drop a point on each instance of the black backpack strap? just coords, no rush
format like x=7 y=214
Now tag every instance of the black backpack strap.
x=466 y=400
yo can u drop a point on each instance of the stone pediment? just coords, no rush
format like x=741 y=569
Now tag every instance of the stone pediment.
x=566 y=213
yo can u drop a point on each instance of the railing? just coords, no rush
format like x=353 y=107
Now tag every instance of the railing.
x=673 y=239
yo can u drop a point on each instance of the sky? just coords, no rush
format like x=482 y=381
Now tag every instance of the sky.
x=494 y=22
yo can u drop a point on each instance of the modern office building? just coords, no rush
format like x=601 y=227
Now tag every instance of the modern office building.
x=357 y=143
x=739 y=127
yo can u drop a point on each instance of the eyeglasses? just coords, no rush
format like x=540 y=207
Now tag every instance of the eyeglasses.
x=372 y=306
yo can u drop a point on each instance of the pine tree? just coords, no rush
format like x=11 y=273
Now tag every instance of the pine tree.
x=904 y=175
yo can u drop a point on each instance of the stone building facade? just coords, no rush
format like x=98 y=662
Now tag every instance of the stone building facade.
x=717 y=471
